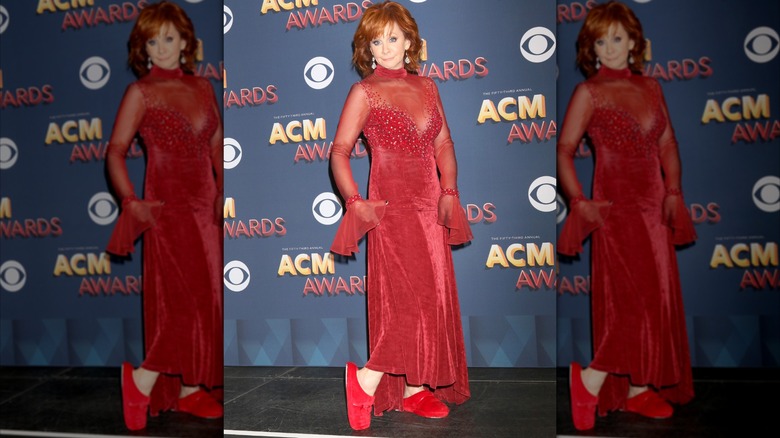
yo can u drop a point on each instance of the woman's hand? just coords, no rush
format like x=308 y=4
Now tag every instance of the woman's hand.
x=590 y=211
x=365 y=210
x=670 y=209
x=145 y=212
x=447 y=204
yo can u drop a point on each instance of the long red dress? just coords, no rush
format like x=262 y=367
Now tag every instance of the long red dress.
x=178 y=119
x=639 y=333
x=415 y=331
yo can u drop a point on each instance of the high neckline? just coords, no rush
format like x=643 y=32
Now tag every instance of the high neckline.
x=623 y=73
x=159 y=72
x=387 y=73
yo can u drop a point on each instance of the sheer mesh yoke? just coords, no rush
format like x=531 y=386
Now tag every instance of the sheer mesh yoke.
x=415 y=331
x=639 y=333
x=178 y=119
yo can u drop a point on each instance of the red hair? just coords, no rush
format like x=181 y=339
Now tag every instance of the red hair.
x=373 y=24
x=151 y=19
x=597 y=24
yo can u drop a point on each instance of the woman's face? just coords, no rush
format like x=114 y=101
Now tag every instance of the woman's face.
x=165 y=48
x=613 y=48
x=389 y=49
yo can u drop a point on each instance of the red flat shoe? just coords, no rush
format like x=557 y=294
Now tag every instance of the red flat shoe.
x=358 y=402
x=583 y=403
x=135 y=404
x=649 y=404
x=426 y=405
x=200 y=404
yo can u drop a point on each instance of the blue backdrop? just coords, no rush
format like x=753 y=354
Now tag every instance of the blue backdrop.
x=718 y=66
x=63 y=72
x=288 y=302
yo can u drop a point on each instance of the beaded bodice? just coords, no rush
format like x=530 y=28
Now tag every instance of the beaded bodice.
x=178 y=117
x=403 y=114
x=627 y=114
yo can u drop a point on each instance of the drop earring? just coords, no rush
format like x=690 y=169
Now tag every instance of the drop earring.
x=598 y=64
x=630 y=59
x=149 y=64
x=406 y=58
x=373 y=63
x=183 y=60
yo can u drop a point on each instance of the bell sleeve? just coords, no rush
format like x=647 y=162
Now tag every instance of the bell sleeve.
x=451 y=213
x=584 y=215
x=675 y=213
x=135 y=216
x=361 y=215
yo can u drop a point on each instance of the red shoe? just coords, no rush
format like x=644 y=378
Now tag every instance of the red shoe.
x=583 y=403
x=426 y=405
x=135 y=404
x=649 y=404
x=358 y=402
x=200 y=404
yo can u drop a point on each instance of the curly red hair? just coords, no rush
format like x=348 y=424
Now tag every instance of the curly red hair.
x=597 y=24
x=147 y=26
x=375 y=20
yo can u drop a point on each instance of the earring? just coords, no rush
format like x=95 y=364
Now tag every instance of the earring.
x=149 y=64
x=598 y=64
x=630 y=59
x=406 y=58
x=183 y=60
x=373 y=63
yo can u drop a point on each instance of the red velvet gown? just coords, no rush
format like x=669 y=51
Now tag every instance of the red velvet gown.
x=415 y=330
x=639 y=332
x=178 y=118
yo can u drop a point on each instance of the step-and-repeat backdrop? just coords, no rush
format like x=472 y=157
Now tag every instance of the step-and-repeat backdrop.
x=718 y=65
x=63 y=71
x=288 y=301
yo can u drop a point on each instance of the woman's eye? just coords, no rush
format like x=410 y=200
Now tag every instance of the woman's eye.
x=393 y=39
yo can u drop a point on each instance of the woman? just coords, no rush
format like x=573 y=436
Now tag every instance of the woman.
x=641 y=361
x=417 y=358
x=178 y=119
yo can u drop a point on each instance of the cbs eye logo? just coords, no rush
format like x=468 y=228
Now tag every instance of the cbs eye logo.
x=102 y=209
x=762 y=44
x=12 y=276
x=236 y=276
x=537 y=44
x=542 y=194
x=8 y=153
x=318 y=72
x=232 y=153
x=766 y=194
x=327 y=208
x=4 y=19
x=227 y=19
x=94 y=73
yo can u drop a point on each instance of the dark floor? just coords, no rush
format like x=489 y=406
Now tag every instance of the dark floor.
x=505 y=402
x=299 y=402
x=728 y=403
x=83 y=401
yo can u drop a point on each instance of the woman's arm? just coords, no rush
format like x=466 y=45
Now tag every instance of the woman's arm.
x=128 y=119
x=353 y=118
